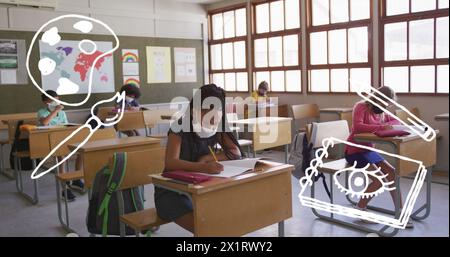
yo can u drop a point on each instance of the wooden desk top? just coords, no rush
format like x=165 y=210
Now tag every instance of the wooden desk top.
x=51 y=130
x=336 y=110
x=259 y=120
x=396 y=140
x=114 y=143
x=269 y=169
x=443 y=116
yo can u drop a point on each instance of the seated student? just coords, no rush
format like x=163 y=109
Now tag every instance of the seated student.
x=52 y=115
x=368 y=118
x=132 y=93
x=189 y=151
x=260 y=95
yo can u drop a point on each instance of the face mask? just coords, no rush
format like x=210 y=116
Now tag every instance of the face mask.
x=52 y=106
x=377 y=110
x=129 y=99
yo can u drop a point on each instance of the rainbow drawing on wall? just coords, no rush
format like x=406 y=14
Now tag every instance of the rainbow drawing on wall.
x=133 y=80
x=130 y=57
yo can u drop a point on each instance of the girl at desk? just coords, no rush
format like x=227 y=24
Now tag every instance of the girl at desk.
x=52 y=115
x=188 y=149
x=132 y=94
x=368 y=118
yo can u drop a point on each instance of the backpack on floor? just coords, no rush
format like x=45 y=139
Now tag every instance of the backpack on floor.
x=20 y=145
x=103 y=212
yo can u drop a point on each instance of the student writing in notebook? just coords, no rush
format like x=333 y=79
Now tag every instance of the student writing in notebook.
x=53 y=115
x=368 y=118
x=188 y=149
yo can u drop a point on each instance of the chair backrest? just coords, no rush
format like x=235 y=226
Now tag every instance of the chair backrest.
x=12 y=126
x=319 y=131
x=137 y=171
x=153 y=117
x=57 y=137
x=131 y=120
x=404 y=115
x=305 y=111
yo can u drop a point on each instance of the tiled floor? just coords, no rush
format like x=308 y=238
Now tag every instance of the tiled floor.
x=19 y=218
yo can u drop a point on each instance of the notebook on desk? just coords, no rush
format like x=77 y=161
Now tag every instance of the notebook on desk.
x=236 y=167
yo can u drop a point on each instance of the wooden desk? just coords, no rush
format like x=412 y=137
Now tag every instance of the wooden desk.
x=239 y=205
x=441 y=117
x=15 y=116
x=344 y=113
x=269 y=110
x=95 y=155
x=268 y=132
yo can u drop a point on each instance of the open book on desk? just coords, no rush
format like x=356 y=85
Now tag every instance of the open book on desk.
x=236 y=167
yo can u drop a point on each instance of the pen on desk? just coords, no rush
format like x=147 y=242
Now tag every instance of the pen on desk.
x=212 y=153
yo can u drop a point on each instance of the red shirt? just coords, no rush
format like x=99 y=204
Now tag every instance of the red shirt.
x=366 y=121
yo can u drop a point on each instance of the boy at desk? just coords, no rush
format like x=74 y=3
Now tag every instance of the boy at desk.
x=132 y=93
x=188 y=149
x=53 y=115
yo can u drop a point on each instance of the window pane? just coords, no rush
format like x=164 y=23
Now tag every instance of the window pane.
x=218 y=79
x=422 y=79
x=421 y=36
x=339 y=80
x=422 y=5
x=320 y=12
x=338 y=46
x=394 y=7
x=275 y=52
x=318 y=46
x=239 y=55
x=292 y=14
x=443 y=4
x=228 y=21
x=216 y=57
x=359 y=9
x=241 y=81
x=261 y=52
x=358 y=45
x=319 y=81
x=293 y=81
x=395 y=41
x=241 y=22
x=360 y=79
x=442 y=79
x=262 y=18
x=276 y=16
x=230 y=81
x=290 y=50
x=339 y=11
x=227 y=50
x=217 y=26
x=396 y=78
x=262 y=76
x=442 y=37
x=277 y=82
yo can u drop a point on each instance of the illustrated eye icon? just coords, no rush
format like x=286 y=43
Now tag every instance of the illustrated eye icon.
x=358 y=180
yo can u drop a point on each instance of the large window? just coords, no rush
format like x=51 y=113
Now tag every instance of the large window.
x=276 y=45
x=227 y=49
x=414 y=45
x=339 y=57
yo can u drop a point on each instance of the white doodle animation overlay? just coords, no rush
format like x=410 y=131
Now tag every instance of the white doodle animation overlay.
x=317 y=162
x=118 y=98
x=47 y=66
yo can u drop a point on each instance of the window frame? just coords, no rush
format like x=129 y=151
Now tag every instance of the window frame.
x=408 y=17
x=336 y=26
x=271 y=34
x=224 y=40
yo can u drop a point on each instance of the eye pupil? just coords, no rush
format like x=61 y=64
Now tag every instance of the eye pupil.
x=359 y=181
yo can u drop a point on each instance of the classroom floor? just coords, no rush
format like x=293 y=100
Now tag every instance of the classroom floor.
x=20 y=218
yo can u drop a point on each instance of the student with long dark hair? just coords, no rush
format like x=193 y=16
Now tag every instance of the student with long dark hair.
x=188 y=150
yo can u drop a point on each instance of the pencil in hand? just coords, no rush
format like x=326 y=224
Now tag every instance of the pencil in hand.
x=212 y=153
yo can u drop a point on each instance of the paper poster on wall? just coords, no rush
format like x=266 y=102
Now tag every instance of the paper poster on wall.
x=74 y=65
x=12 y=62
x=130 y=55
x=133 y=80
x=159 y=68
x=185 y=65
x=130 y=68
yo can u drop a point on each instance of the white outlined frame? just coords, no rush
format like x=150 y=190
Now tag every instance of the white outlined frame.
x=317 y=162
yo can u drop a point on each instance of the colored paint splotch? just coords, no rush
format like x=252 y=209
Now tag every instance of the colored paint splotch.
x=85 y=62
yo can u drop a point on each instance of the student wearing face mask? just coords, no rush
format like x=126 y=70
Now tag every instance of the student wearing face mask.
x=132 y=93
x=368 y=118
x=52 y=115
x=188 y=149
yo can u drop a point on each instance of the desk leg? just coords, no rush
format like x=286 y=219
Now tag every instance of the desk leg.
x=286 y=152
x=281 y=228
x=427 y=205
x=2 y=165
x=19 y=182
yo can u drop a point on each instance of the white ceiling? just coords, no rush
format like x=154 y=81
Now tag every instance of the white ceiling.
x=199 y=1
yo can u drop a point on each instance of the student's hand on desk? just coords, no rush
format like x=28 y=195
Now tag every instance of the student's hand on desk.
x=213 y=167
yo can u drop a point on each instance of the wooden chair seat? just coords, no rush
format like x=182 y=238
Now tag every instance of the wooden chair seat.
x=71 y=175
x=142 y=220
x=160 y=136
x=23 y=154
x=334 y=166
